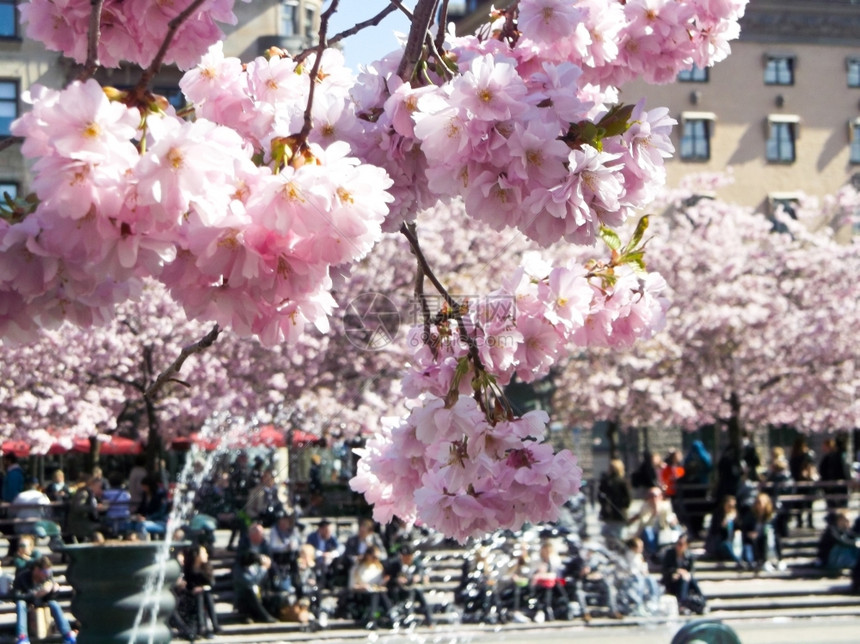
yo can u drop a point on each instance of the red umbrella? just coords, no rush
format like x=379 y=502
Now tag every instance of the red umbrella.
x=78 y=445
x=301 y=437
x=185 y=442
x=119 y=446
x=269 y=436
x=18 y=448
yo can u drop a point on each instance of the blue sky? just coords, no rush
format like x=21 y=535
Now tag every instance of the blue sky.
x=371 y=43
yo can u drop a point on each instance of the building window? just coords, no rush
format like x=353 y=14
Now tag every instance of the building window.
x=696 y=136
x=693 y=75
x=8 y=105
x=8 y=188
x=854 y=138
x=8 y=19
x=853 y=70
x=310 y=29
x=289 y=18
x=779 y=70
x=782 y=134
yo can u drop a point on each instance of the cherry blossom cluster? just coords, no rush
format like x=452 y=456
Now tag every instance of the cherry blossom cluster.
x=120 y=197
x=525 y=130
x=291 y=169
x=130 y=30
x=616 y=41
x=463 y=475
x=461 y=461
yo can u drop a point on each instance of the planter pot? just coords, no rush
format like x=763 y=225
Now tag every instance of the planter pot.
x=110 y=582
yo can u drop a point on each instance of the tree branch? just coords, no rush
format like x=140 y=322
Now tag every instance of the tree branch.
x=424 y=266
x=372 y=22
x=93 y=36
x=312 y=77
x=150 y=72
x=422 y=18
x=169 y=374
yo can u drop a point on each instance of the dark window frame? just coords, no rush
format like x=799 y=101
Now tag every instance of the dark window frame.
x=13 y=32
x=781 y=144
x=695 y=143
x=693 y=75
x=780 y=70
x=16 y=83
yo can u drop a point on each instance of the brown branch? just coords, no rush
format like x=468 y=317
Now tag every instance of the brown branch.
x=93 y=36
x=422 y=18
x=371 y=22
x=169 y=374
x=424 y=266
x=443 y=20
x=154 y=67
x=312 y=76
x=9 y=141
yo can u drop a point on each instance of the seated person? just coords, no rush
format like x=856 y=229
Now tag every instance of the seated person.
x=678 y=579
x=117 y=518
x=725 y=536
x=643 y=589
x=584 y=575
x=515 y=584
x=655 y=523
x=367 y=582
x=84 y=518
x=477 y=591
x=305 y=581
x=284 y=545
x=356 y=545
x=266 y=500
x=547 y=581
x=26 y=553
x=837 y=546
x=759 y=533
x=404 y=573
x=251 y=576
x=199 y=577
x=151 y=515
x=35 y=586
x=327 y=550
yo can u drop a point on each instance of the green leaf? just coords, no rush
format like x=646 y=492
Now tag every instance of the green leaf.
x=610 y=238
x=641 y=227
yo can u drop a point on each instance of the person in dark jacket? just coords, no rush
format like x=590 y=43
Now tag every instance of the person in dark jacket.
x=678 y=579
x=405 y=574
x=251 y=576
x=801 y=463
x=693 y=485
x=199 y=577
x=834 y=467
x=85 y=508
x=35 y=586
x=613 y=492
x=837 y=546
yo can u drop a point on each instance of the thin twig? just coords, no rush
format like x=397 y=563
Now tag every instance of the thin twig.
x=449 y=300
x=93 y=37
x=443 y=26
x=422 y=299
x=150 y=72
x=371 y=22
x=422 y=18
x=169 y=374
x=312 y=76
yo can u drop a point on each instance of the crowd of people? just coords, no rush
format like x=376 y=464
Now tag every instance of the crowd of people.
x=284 y=563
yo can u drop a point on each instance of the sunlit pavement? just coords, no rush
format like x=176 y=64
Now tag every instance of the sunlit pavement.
x=780 y=631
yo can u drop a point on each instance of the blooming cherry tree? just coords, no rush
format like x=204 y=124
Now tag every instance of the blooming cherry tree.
x=292 y=168
x=763 y=332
